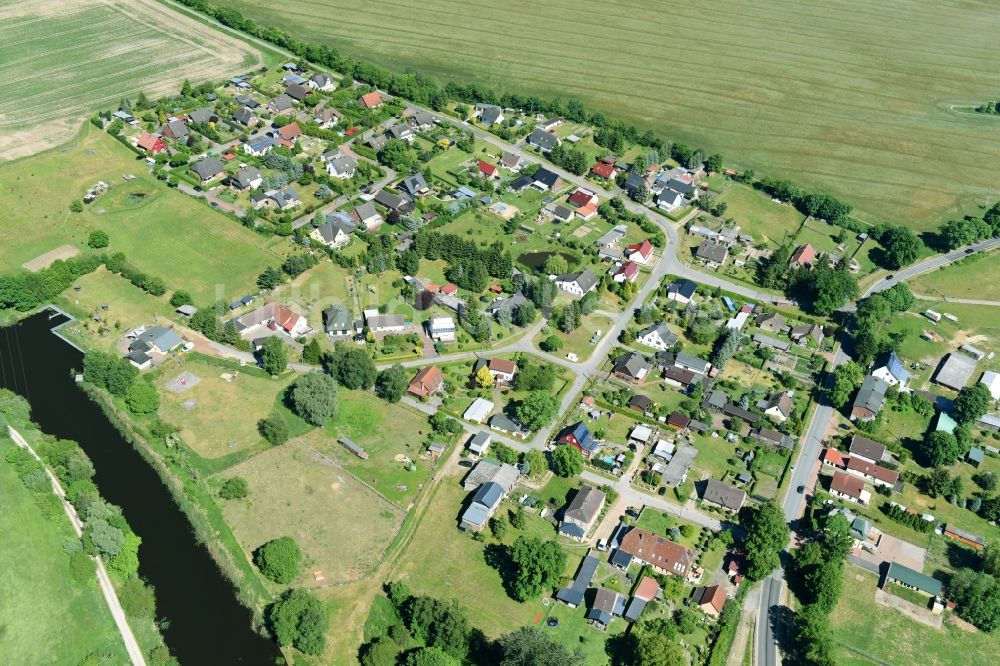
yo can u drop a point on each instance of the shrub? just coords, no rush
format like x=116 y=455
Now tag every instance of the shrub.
x=234 y=488
x=82 y=568
x=137 y=598
x=273 y=429
x=279 y=559
x=98 y=239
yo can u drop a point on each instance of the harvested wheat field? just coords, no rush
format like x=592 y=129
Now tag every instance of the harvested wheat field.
x=61 y=60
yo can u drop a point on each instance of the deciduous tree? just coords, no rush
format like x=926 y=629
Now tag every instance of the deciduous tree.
x=314 y=397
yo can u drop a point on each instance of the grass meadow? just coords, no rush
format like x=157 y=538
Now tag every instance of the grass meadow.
x=976 y=277
x=45 y=613
x=161 y=231
x=61 y=60
x=866 y=633
x=845 y=96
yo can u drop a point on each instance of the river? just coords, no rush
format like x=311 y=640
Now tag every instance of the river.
x=206 y=622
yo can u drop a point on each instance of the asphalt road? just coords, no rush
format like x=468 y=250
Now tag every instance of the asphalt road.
x=937 y=261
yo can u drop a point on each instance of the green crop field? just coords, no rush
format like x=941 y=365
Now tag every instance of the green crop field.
x=61 y=60
x=846 y=96
x=46 y=617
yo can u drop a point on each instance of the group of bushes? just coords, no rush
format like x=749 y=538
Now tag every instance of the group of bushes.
x=120 y=378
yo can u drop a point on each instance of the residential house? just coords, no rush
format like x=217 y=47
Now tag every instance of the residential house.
x=762 y=340
x=772 y=322
x=321 y=81
x=366 y=215
x=716 y=401
x=503 y=423
x=520 y=184
x=478 y=443
x=573 y=595
x=337 y=321
x=639 y=403
x=955 y=371
x=484 y=503
x=631 y=367
x=775 y=438
x=803 y=257
x=607 y=605
x=876 y=474
x=208 y=169
x=975 y=456
x=612 y=237
x=992 y=382
x=442 y=329
x=489 y=114
x=259 y=146
x=426 y=383
x=712 y=599
x=658 y=336
x=508 y=305
x=711 y=253
x=626 y=272
x=640 y=253
x=246 y=179
x=175 y=129
x=271 y=317
x=487 y=170
x=510 y=161
x=561 y=213
x=478 y=411
x=738 y=412
x=579 y=283
x=154 y=340
x=326 y=116
x=281 y=104
x=285 y=199
x=801 y=334
x=723 y=495
x=384 y=323
x=290 y=132
x=402 y=131
x=341 y=166
x=151 y=143
x=500 y=369
x=681 y=291
x=849 y=487
x=245 y=117
x=423 y=120
x=677 y=421
x=581 y=197
x=247 y=101
x=545 y=180
x=867 y=450
x=834 y=458
x=415 y=185
x=663 y=555
x=604 y=170
x=669 y=200
x=396 y=203
x=335 y=232
x=370 y=100
x=578 y=435
x=778 y=407
x=870 y=398
x=890 y=369
x=203 y=115
x=686 y=361
x=581 y=513
x=544 y=141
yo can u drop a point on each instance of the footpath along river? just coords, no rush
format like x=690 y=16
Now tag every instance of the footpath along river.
x=206 y=624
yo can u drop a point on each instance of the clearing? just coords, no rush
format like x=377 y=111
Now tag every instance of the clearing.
x=41 y=601
x=895 y=638
x=839 y=96
x=61 y=60
x=203 y=411
x=296 y=492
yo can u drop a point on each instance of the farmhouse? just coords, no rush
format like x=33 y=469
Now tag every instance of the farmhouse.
x=803 y=257
x=581 y=512
x=370 y=100
x=335 y=232
x=778 y=407
x=849 y=487
x=426 y=383
x=890 y=369
x=484 y=503
x=500 y=369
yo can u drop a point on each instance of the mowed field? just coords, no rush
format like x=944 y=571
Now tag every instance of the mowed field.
x=161 y=231
x=61 y=60
x=977 y=278
x=846 y=96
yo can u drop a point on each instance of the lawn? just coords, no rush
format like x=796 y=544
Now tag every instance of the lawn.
x=758 y=215
x=163 y=232
x=41 y=601
x=839 y=96
x=578 y=342
x=388 y=433
x=323 y=285
x=895 y=638
x=976 y=277
x=204 y=413
x=61 y=61
x=294 y=491
x=575 y=631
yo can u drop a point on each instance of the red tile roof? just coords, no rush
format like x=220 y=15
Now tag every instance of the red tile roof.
x=647 y=589
x=486 y=168
x=603 y=170
x=804 y=256
x=835 y=457
x=581 y=198
x=657 y=551
x=285 y=317
x=426 y=382
x=629 y=269
x=151 y=142
x=371 y=100
x=874 y=471
x=352 y=131
x=449 y=289
x=715 y=597
x=290 y=131
x=503 y=365
x=645 y=248
x=846 y=484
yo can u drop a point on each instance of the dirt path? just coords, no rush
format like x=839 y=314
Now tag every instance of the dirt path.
x=50 y=257
x=131 y=645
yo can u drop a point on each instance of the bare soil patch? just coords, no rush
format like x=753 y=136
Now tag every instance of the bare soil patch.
x=50 y=257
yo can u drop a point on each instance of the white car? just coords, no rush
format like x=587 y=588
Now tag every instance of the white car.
x=572 y=357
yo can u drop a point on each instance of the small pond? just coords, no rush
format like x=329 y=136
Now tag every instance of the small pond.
x=536 y=260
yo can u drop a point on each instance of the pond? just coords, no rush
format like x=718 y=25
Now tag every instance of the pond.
x=536 y=260
x=205 y=623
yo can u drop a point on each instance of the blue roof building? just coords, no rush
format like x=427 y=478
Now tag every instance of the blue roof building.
x=889 y=368
x=579 y=436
